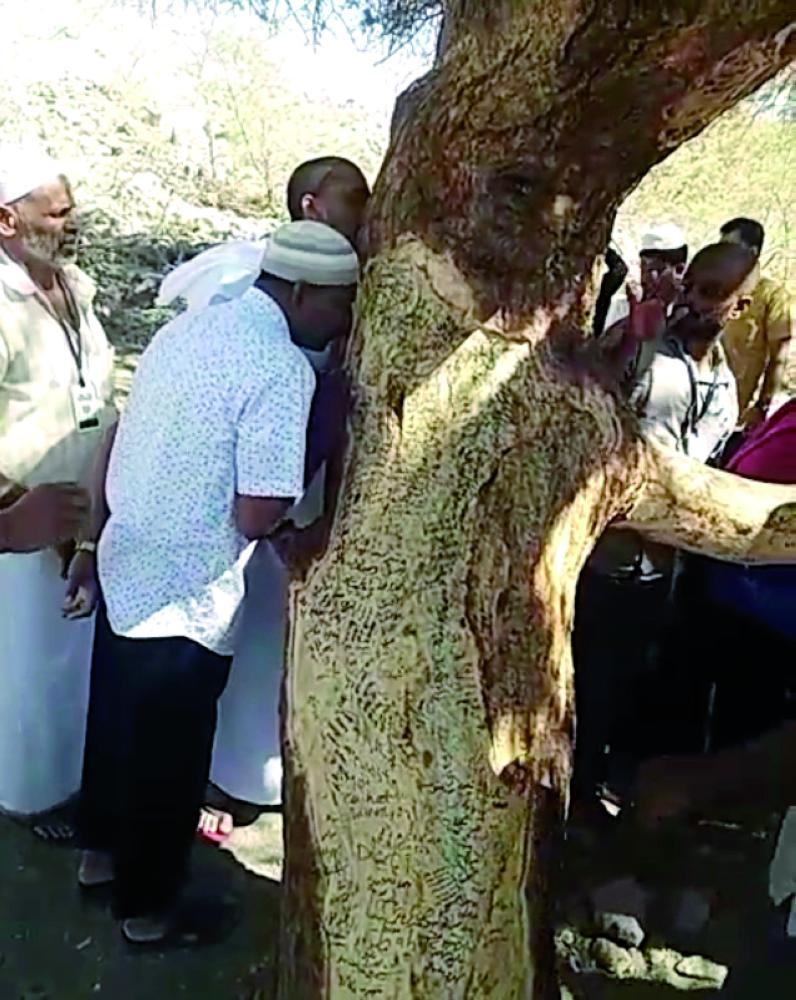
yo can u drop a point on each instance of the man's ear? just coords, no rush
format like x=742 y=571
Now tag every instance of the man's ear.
x=310 y=209
x=9 y=227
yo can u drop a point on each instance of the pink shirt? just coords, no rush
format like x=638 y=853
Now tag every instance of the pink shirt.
x=769 y=454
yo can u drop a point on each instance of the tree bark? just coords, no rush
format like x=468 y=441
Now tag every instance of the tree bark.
x=428 y=700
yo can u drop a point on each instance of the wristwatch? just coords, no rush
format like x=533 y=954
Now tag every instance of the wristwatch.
x=90 y=547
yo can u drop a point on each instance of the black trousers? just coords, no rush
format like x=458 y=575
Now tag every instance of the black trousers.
x=620 y=629
x=149 y=740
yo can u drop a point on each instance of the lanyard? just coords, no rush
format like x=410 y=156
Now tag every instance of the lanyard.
x=695 y=412
x=71 y=328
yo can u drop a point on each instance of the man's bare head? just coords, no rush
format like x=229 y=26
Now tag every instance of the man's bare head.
x=717 y=287
x=39 y=222
x=330 y=189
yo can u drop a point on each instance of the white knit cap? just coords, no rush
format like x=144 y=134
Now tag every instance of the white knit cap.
x=23 y=169
x=311 y=252
x=666 y=236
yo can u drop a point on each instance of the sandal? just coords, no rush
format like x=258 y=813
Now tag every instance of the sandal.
x=214 y=826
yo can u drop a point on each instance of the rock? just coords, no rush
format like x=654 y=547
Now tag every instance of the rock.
x=623 y=963
x=621 y=928
x=710 y=975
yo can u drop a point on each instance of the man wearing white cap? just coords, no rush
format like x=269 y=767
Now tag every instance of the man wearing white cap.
x=663 y=256
x=56 y=371
x=208 y=456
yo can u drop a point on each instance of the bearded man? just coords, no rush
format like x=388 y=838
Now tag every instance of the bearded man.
x=56 y=374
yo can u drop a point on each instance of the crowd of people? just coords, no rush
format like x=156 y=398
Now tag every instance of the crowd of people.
x=144 y=556
x=662 y=640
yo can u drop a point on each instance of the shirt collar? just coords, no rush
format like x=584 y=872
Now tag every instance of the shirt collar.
x=270 y=308
x=14 y=276
x=16 y=279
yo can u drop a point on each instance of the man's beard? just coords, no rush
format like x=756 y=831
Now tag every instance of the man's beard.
x=46 y=246
x=689 y=325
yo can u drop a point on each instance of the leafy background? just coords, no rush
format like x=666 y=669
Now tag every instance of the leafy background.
x=179 y=123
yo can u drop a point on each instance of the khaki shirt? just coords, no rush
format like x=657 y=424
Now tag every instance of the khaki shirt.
x=748 y=340
x=39 y=439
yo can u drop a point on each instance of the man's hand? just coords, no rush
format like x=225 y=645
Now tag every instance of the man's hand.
x=82 y=589
x=44 y=516
x=298 y=548
x=753 y=418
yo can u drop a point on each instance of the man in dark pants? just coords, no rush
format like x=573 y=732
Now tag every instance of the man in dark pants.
x=685 y=400
x=208 y=456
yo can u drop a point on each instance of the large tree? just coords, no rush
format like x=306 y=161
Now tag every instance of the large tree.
x=428 y=701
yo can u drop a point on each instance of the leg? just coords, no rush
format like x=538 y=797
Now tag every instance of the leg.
x=98 y=807
x=171 y=686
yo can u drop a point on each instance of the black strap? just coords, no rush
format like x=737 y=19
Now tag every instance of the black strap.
x=695 y=413
x=71 y=329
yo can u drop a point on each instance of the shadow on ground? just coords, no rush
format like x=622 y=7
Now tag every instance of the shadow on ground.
x=724 y=863
x=55 y=945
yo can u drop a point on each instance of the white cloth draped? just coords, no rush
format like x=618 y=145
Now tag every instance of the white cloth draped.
x=45 y=678
x=247 y=761
x=246 y=755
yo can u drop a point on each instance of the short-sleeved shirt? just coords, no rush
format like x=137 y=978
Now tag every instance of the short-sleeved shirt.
x=39 y=437
x=685 y=407
x=218 y=407
x=688 y=410
x=748 y=340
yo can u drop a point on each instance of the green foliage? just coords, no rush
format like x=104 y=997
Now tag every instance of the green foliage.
x=744 y=164
x=181 y=133
x=175 y=138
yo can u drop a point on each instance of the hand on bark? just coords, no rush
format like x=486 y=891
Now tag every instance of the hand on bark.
x=43 y=516
x=299 y=547
x=82 y=590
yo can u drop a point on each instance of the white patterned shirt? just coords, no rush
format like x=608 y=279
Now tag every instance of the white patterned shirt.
x=218 y=407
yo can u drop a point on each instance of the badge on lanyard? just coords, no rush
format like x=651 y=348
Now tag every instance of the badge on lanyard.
x=86 y=406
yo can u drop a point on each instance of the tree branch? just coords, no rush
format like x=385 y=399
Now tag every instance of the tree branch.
x=714 y=513
x=539 y=118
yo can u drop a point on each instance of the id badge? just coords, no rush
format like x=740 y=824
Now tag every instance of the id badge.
x=86 y=406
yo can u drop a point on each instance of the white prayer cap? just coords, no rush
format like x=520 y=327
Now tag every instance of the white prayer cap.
x=666 y=236
x=23 y=169
x=311 y=252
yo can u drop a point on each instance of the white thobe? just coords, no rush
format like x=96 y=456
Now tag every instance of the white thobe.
x=45 y=659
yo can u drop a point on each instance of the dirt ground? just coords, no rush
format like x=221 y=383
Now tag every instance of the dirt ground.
x=56 y=945
x=723 y=862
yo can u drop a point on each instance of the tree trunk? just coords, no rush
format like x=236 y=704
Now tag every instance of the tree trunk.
x=428 y=700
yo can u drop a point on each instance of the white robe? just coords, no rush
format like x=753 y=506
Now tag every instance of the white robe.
x=246 y=755
x=247 y=762
x=44 y=660
x=45 y=677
